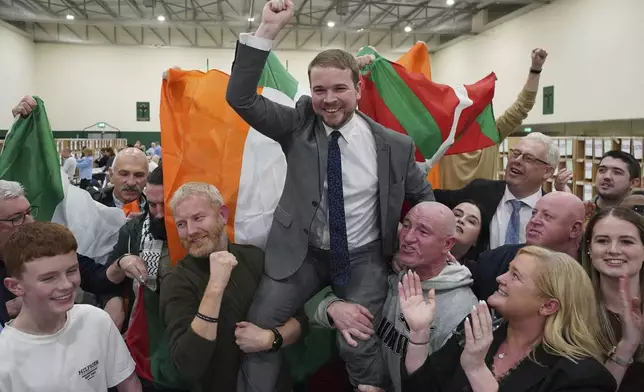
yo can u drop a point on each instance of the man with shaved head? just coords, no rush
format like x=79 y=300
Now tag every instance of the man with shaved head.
x=557 y=223
x=128 y=174
x=426 y=237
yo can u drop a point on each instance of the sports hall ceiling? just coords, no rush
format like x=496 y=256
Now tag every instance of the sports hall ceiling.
x=350 y=24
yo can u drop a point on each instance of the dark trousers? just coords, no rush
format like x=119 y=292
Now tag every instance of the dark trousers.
x=276 y=301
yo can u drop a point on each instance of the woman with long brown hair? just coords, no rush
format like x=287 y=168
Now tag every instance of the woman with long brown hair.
x=613 y=260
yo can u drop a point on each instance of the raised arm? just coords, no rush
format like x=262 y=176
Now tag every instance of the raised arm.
x=192 y=323
x=515 y=114
x=269 y=118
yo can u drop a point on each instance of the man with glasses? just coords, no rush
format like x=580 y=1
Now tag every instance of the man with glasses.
x=15 y=211
x=507 y=205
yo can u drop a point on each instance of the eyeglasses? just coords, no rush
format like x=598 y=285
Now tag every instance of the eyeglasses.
x=529 y=158
x=19 y=220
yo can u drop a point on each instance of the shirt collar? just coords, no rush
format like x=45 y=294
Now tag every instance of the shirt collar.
x=346 y=129
x=530 y=201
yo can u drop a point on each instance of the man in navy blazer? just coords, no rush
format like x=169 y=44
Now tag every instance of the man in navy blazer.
x=557 y=223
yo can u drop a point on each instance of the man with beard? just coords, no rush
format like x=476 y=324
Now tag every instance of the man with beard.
x=346 y=181
x=128 y=175
x=142 y=240
x=206 y=297
x=617 y=174
x=557 y=223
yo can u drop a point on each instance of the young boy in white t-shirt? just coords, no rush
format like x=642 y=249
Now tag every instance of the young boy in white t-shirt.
x=54 y=345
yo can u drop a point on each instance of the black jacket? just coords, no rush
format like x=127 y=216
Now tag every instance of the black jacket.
x=93 y=280
x=442 y=372
x=489 y=265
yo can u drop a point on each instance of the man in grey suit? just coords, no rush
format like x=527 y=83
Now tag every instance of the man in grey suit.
x=337 y=219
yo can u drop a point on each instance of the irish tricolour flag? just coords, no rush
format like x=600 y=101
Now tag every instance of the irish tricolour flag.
x=205 y=140
x=29 y=156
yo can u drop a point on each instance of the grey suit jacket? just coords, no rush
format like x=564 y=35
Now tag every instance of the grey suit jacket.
x=304 y=141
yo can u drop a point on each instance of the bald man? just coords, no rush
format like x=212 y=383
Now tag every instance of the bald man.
x=557 y=223
x=426 y=237
x=129 y=175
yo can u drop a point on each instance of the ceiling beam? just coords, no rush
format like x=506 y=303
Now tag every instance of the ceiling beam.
x=107 y=8
x=104 y=35
x=328 y=11
x=131 y=35
x=72 y=5
x=158 y=36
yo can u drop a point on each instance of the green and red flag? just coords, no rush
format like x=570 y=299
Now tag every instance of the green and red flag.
x=440 y=119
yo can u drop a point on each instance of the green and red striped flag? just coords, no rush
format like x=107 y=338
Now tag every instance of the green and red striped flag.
x=440 y=119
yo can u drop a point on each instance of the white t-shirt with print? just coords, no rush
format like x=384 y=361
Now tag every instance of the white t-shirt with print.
x=87 y=354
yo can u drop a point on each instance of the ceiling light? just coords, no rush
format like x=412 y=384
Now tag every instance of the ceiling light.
x=330 y=23
x=450 y=2
x=70 y=17
x=251 y=19
x=407 y=29
x=161 y=18
x=360 y=30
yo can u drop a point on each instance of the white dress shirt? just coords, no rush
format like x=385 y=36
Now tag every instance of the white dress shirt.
x=359 y=186
x=69 y=167
x=501 y=218
x=359 y=177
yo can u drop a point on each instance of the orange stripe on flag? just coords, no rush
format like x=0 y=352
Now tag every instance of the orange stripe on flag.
x=203 y=140
x=417 y=60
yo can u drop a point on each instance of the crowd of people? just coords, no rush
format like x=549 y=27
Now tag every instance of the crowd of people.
x=496 y=286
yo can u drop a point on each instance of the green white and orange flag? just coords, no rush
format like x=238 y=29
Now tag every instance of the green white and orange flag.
x=205 y=140
x=440 y=119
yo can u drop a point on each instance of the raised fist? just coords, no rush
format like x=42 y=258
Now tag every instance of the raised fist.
x=221 y=266
x=538 y=58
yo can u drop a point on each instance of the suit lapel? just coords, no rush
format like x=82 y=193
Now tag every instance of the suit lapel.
x=384 y=162
x=322 y=141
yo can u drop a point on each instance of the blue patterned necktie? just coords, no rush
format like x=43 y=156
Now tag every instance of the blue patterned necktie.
x=514 y=226
x=340 y=271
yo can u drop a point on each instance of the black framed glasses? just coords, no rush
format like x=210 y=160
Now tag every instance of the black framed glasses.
x=19 y=220
x=529 y=158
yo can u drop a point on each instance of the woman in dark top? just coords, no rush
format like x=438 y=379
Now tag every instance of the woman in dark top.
x=614 y=256
x=548 y=341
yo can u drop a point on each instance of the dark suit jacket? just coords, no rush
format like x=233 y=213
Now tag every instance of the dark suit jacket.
x=487 y=194
x=489 y=265
x=442 y=372
x=303 y=139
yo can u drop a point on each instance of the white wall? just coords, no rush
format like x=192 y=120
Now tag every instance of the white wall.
x=595 y=59
x=84 y=84
x=17 y=62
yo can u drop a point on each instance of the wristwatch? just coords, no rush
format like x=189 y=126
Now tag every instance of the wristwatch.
x=612 y=355
x=277 y=342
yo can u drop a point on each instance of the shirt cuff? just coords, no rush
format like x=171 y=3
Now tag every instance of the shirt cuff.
x=259 y=43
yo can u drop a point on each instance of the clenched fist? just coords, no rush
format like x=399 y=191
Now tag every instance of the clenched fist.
x=24 y=107
x=538 y=58
x=221 y=266
x=276 y=14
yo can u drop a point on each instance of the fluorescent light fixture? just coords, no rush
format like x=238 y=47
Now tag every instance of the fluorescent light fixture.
x=70 y=17
x=251 y=19
x=360 y=30
x=407 y=29
x=450 y=2
x=161 y=18
x=330 y=23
